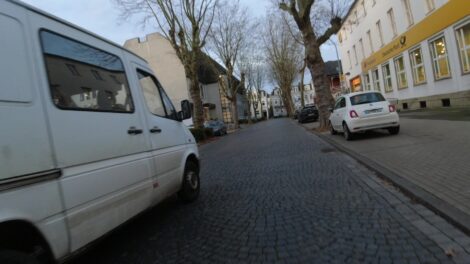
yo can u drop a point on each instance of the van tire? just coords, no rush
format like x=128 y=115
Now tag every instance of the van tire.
x=16 y=257
x=190 y=187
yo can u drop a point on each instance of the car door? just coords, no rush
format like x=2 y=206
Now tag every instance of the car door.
x=96 y=130
x=334 y=117
x=342 y=111
x=166 y=134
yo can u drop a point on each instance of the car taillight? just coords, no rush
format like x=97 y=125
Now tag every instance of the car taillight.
x=391 y=108
x=353 y=114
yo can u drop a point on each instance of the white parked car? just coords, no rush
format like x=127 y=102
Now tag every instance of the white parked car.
x=88 y=137
x=362 y=111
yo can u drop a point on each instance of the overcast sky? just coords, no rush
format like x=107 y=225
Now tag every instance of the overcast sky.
x=102 y=18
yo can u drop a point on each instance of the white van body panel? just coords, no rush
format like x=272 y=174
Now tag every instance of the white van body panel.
x=24 y=147
x=97 y=174
x=41 y=205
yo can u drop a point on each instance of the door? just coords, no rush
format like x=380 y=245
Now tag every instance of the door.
x=166 y=134
x=338 y=114
x=96 y=129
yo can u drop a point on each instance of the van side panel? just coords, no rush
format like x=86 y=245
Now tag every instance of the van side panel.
x=105 y=168
x=24 y=143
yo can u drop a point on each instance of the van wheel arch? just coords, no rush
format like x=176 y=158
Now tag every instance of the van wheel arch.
x=23 y=237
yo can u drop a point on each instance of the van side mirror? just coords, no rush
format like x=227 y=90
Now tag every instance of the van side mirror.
x=185 y=112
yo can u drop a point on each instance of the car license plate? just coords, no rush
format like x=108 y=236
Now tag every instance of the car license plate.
x=371 y=111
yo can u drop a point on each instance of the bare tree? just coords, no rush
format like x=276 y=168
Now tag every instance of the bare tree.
x=284 y=58
x=185 y=24
x=252 y=63
x=228 y=38
x=317 y=21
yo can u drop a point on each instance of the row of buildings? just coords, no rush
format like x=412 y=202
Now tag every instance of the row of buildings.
x=414 y=51
x=170 y=71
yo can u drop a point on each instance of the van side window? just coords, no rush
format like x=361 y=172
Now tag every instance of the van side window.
x=158 y=102
x=79 y=76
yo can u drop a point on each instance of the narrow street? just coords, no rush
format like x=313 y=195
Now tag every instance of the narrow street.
x=275 y=193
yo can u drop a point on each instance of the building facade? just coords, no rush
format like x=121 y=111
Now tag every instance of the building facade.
x=276 y=103
x=309 y=95
x=170 y=72
x=414 y=51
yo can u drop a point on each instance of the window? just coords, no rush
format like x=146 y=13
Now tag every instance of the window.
x=73 y=69
x=463 y=39
x=409 y=13
x=439 y=58
x=391 y=17
x=349 y=59
x=379 y=30
x=370 y=42
x=86 y=94
x=373 y=2
x=65 y=57
x=340 y=103
x=376 y=79
x=400 y=72
x=151 y=94
x=356 y=18
x=364 y=7
x=362 y=48
x=157 y=101
x=115 y=79
x=387 y=78
x=367 y=82
x=366 y=98
x=430 y=5
x=97 y=75
x=355 y=54
x=417 y=65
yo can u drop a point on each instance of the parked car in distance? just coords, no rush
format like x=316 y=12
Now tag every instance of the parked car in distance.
x=89 y=138
x=218 y=127
x=362 y=111
x=308 y=114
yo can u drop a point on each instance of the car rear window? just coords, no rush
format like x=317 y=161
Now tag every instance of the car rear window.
x=366 y=98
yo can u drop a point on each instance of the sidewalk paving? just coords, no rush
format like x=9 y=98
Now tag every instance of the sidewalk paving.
x=428 y=155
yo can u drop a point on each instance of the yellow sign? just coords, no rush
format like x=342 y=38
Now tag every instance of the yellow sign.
x=448 y=14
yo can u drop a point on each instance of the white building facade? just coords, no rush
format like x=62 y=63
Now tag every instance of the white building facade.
x=415 y=51
x=277 y=105
x=309 y=95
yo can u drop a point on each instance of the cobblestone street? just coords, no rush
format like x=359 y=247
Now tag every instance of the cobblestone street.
x=275 y=193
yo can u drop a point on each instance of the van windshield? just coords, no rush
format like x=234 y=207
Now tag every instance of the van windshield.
x=366 y=98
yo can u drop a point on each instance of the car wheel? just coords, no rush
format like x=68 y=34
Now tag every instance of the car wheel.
x=189 y=191
x=332 y=130
x=394 y=130
x=16 y=257
x=346 y=133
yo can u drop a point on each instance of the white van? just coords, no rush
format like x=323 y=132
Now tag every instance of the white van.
x=88 y=137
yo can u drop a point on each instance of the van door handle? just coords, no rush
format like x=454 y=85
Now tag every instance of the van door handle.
x=134 y=131
x=155 y=130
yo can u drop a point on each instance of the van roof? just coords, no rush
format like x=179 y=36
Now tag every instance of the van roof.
x=58 y=19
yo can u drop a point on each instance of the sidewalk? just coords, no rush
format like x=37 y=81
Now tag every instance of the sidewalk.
x=429 y=158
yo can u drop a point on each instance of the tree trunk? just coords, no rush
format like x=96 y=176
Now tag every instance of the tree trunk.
x=316 y=65
x=287 y=98
x=235 y=111
x=198 y=110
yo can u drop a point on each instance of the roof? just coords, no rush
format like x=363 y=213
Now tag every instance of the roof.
x=349 y=12
x=209 y=70
x=331 y=68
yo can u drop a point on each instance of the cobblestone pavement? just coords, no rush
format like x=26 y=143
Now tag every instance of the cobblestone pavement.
x=433 y=154
x=275 y=193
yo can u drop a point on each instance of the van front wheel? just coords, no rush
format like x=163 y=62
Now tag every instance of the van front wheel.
x=189 y=191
